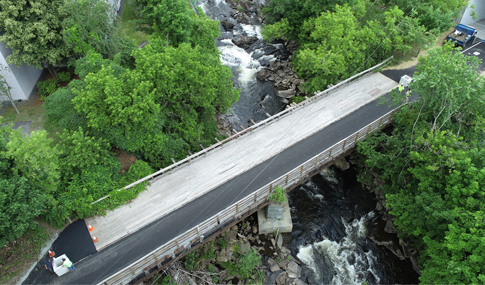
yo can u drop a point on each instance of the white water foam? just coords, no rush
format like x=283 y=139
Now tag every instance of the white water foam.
x=351 y=266
x=329 y=175
x=252 y=30
x=234 y=56
x=214 y=3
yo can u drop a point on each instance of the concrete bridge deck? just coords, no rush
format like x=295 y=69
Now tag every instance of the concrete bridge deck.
x=188 y=182
x=343 y=112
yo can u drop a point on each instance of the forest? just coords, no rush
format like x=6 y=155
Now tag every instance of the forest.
x=156 y=103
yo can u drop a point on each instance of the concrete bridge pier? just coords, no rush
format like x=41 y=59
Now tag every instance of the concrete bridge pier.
x=275 y=217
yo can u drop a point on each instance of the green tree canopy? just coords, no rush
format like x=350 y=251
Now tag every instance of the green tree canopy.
x=35 y=158
x=32 y=28
x=171 y=20
x=168 y=101
x=433 y=168
x=20 y=202
x=92 y=24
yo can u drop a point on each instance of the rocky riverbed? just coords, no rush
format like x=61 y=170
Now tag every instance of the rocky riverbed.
x=223 y=260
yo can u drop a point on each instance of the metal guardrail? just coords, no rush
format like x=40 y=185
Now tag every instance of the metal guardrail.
x=248 y=203
x=250 y=129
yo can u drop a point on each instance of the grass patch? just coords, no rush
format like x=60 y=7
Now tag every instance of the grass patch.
x=128 y=27
x=20 y=254
x=34 y=113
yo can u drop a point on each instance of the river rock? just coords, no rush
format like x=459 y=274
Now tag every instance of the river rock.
x=389 y=228
x=228 y=25
x=281 y=279
x=287 y=94
x=273 y=242
x=263 y=74
x=191 y=281
x=298 y=282
x=292 y=269
x=342 y=164
x=414 y=262
x=279 y=241
x=244 y=41
x=275 y=267
x=381 y=205
x=231 y=235
x=221 y=258
x=255 y=230
x=244 y=248
x=284 y=263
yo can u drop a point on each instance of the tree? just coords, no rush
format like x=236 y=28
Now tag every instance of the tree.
x=454 y=101
x=433 y=166
x=60 y=110
x=20 y=202
x=325 y=57
x=6 y=163
x=32 y=28
x=78 y=151
x=204 y=32
x=92 y=24
x=168 y=101
x=169 y=19
x=35 y=159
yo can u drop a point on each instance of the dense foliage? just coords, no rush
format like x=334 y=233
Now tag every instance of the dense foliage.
x=32 y=28
x=433 y=168
x=48 y=32
x=166 y=104
x=170 y=19
x=156 y=102
x=91 y=25
x=337 y=39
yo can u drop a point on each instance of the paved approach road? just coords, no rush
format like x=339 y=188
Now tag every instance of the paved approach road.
x=100 y=265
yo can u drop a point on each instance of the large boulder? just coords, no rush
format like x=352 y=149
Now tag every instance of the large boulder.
x=244 y=41
x=263 y=74
x=281 y=279
x=287 y=94
x=227 y=25
x=342 y=164
x=293 y=270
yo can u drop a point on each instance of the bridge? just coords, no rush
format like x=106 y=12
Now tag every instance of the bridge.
x=195 y=198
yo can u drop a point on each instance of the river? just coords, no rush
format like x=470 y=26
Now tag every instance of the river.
x=332 y=216
x=256 y=98
x=332 y=220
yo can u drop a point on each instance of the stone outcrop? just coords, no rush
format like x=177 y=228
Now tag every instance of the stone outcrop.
x=284 y=78
x=342 y=164
x=244 y=41
x=227 y=25
x=402 y=249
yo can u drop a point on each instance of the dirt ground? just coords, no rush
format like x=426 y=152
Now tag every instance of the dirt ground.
x=125 y=159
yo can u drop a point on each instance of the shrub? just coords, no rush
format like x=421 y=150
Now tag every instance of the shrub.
x=223 y=243
x=190 y=261
x=47 y=87
x=64 y=77
x=245 y=265
x=278 y=195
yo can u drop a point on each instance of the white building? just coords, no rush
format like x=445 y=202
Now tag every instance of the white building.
x=479 y=10
x=21 y=79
